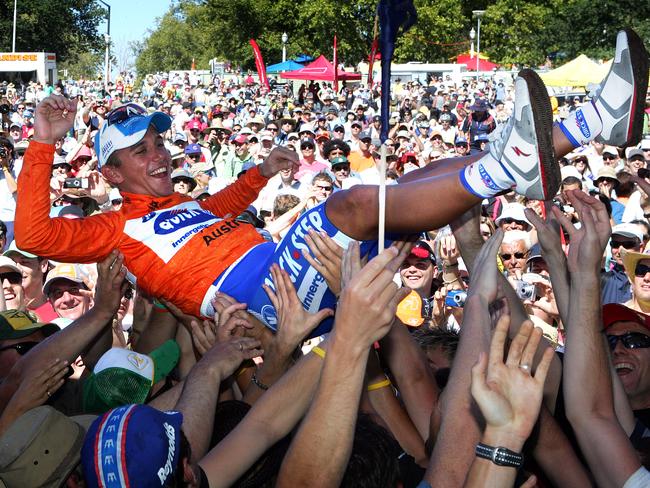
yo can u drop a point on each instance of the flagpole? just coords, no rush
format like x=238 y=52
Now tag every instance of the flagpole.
x=382 y=198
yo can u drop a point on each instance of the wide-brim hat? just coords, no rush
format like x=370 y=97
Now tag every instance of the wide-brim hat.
x=216 y=124
x=630 y=260
x=42 y=447
x=606 y=172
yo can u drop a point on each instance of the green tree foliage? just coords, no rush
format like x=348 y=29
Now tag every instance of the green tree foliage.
x=63 y=27
x=523 y=32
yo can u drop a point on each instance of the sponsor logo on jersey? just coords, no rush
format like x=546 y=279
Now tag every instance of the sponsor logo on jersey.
x=173 y=220
x=216 y=231
x=269 y=316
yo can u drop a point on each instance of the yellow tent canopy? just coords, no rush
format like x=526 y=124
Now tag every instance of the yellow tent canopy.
x=578 y=72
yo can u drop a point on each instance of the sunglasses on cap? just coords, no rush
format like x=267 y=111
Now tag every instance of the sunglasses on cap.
x=124 y=112
x=641 y=270
x=517 y=255
x=21 y=348
x=13 y=277
x=626 y=244
x=631 y=340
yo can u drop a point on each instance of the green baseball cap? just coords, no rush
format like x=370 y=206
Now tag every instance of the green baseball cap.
x=122 y=376
x=340 y=160
x=15 y=324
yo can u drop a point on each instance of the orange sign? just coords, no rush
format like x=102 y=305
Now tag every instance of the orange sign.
x=18 y=57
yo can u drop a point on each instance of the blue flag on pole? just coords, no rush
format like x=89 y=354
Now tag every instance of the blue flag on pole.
x=393 y=15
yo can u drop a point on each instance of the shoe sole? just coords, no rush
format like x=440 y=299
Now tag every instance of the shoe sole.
x=549 y=169
x=640 y=67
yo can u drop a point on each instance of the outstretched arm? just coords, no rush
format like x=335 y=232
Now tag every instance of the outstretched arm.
x=365 y=313
x=58 y=238
x=587 y=380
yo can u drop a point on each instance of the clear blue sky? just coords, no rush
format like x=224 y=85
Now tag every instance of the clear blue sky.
x=130 y=20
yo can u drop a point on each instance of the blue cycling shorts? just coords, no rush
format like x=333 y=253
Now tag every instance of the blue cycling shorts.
x=244 y=279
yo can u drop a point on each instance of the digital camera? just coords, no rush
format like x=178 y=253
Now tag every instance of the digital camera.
x=79 y=183
x=525 y=291
x=456 y=298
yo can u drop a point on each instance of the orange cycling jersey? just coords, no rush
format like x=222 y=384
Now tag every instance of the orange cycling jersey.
x=175 y=246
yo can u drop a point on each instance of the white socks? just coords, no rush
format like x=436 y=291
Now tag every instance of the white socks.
x=583 y=125
x=486 y=177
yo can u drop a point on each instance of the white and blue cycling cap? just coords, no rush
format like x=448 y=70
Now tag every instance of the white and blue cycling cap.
x=125 y=126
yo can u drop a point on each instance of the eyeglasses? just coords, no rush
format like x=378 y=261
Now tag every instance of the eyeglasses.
x=641 y=270
x=324 y=188
x=124 y=112
x=626 y=244
x=56 y=294
x=631 y=340
x=517 y=255
x=508 y=220
x=609 y=157
x=272 y=129
x=12 y=277
x=21 y=348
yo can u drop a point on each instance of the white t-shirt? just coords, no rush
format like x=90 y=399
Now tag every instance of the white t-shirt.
x=640 y=479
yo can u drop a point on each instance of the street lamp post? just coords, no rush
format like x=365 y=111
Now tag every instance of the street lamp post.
x=285 y=38
x=107 y=54
x=13 y=38
x=472 y=35
x=478 y=14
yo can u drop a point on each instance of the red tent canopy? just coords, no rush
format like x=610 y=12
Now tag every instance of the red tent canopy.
x=484 y=63
x=319 y=70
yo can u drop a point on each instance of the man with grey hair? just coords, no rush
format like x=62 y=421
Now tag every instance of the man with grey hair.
x=514 y=252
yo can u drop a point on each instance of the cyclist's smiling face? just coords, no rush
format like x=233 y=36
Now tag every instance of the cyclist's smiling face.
x=145 y=167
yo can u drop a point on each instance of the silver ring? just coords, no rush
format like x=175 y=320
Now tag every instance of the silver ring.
x=525 y=367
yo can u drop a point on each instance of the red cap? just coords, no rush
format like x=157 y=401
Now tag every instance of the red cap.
x=422 y=250
x=615 y=312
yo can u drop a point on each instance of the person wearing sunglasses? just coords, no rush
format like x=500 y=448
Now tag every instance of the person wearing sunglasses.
x=11 y=278
x=514 y=252
x=616 y=286
x=628 y=335
x=19 y=333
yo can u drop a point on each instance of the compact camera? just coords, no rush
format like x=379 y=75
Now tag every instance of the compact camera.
x=78 y=183
x=525 y=291
x=456 y=298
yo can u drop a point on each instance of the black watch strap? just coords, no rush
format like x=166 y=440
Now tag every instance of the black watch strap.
x=500 y=456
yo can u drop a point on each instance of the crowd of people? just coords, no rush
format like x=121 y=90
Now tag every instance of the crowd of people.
x=194 y=294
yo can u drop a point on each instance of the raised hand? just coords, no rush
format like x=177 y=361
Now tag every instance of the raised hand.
x=587 y=243
x=294 y=322
x=279 y=159
x=369 y=297
x=38 y=386
x=327 y=258
x=484 y=277
x=508 y=393
x=111 y=285
x=54 y=117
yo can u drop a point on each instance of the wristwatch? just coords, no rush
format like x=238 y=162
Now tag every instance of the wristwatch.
x=500 y=456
